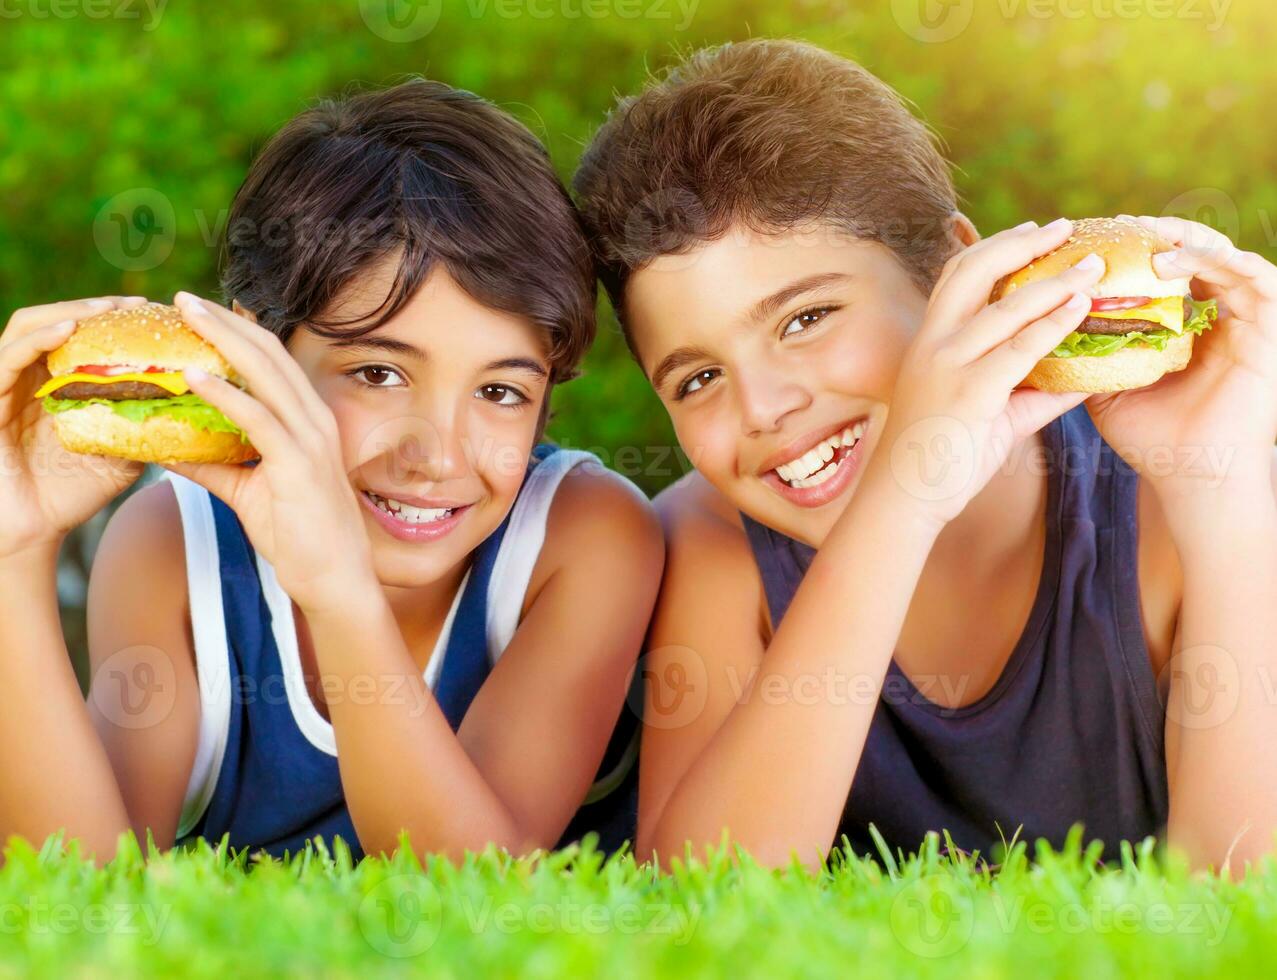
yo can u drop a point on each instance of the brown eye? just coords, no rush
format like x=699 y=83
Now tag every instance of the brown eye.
x=375 y=375
x=805 y=320
x=500 y=395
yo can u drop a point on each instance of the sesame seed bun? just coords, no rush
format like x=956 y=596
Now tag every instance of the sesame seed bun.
x=153 y=334
x=1127 y=248
x=99 y=431
x=146 y=336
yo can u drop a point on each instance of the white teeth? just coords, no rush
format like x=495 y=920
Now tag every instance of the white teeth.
x=811 y=469
x=407 y=512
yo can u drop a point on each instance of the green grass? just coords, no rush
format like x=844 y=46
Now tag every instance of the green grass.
x=204 y=912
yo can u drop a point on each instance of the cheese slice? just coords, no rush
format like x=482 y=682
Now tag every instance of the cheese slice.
x=170 y=381
x=1167 y=311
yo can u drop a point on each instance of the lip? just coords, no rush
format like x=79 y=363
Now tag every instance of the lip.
x=416 y=533
x=804 y=443
x=850 y=461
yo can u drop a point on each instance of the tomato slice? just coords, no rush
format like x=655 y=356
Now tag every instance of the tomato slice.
x=106 y=370
x=1118 y=303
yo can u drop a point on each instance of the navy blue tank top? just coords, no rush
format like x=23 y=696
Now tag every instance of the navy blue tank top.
x=1072 y=731
x=275 y=789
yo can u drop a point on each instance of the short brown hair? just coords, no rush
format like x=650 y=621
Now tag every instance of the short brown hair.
x=772 y=134
x=426 y=172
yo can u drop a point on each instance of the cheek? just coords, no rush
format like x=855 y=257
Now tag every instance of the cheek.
x=862 y=361
x=708 y=437
x=356 y=426
x=499 y=443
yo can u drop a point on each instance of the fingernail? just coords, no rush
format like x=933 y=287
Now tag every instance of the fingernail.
x=1078 y=301
x=1092 y=263
x=190 y=302
x=1059 y=224
x=1024 y=225
x=193 y=373
x=101 y=304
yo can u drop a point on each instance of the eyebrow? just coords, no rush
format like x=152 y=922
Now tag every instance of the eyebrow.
x=371 y=343
x=764 y=309
x=524 y=364
x=769 y=306
x=674 y=360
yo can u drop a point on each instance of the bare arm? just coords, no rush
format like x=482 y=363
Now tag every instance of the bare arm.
x=56 y=774
x=1221 y=769
x=121 y=761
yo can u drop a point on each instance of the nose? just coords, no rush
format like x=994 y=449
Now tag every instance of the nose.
x=430 y=445
x=765 y=397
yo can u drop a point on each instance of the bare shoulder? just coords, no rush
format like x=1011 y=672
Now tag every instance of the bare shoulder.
x=708 y=555
x=601 y=521
x=699 y=522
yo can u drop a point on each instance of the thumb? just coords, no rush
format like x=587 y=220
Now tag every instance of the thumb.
x=1028 y=409
x=222 y=480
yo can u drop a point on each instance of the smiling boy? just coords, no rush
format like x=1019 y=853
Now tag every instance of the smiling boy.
x=781 y=240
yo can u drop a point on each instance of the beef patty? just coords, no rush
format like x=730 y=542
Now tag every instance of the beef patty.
x=116 y=391
x=1100 y=324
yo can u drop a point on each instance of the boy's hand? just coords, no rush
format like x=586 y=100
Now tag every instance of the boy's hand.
x=955 y=414
x=45 y=489
x=1214 y=423
x=296 y=504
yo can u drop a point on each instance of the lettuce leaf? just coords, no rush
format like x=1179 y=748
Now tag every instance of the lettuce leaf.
x=190 y=407
x=1202 y=315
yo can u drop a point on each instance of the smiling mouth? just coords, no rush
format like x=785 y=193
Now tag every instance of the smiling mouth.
x=821 y=463
x=407 y=513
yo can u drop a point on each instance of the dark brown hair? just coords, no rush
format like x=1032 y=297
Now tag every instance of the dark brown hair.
x=425 y=172
x=772 y=134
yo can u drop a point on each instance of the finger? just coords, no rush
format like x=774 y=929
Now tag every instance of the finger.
x=273 y=348
x=266 y=432
x=248 y=359
x=1008 y=316
x=16 y=357
x=19 y=355
x=1231 y=269
x=1204 y=253
x=1012 y=360
x=977 y=270
x=1028 y=409
x=222 y=480
x=31 y=318
x=982 y=244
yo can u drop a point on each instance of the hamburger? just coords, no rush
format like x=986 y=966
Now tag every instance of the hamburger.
x=1140 y=326
x=117 y=390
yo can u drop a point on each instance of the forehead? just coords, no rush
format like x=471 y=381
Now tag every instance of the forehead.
x=719 y=284
x=439 y=316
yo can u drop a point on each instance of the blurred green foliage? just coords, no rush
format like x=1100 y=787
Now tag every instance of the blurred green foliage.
x=1047 y=107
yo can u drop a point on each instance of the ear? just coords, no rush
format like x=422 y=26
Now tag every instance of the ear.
x=238 y=309
x=962 y=231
